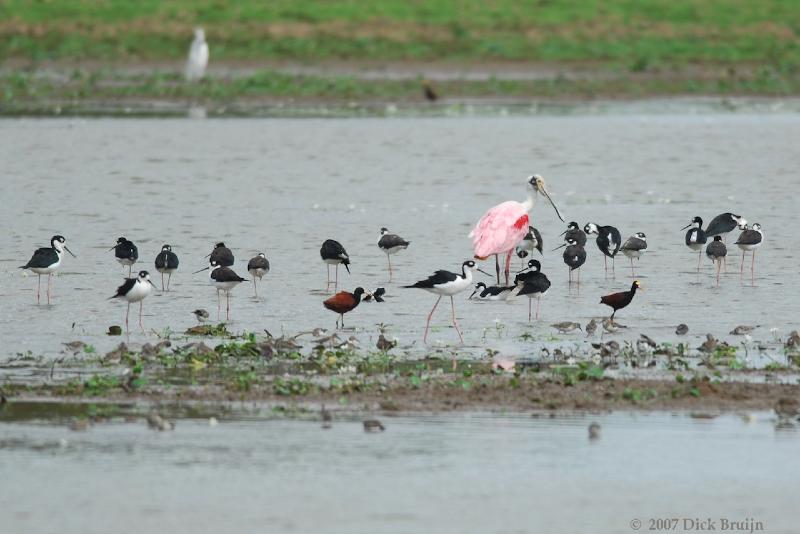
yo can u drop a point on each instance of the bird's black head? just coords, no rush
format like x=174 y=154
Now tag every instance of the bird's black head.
x=591 y=228
x=121 y=240
x=636 y=285
x=534 y=265
x=717 y=238
x=57 y=239
x=640 y=235
x=571 y=241
x=698 y=221
x=573 y=226
x=358 y=292
x=384 y=230
x=480 y=285
x=219 y=245
x=166 y=248
x=469 y=264
x=144 y=275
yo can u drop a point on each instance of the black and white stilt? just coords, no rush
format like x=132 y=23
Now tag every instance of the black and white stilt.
x=608 y=241
x=258 y=266
x=716 y=252
x=485 y=292
x=221 y=255
x=166 y=263
x=223 y=279
x=134 y=290
x=696 y=238
x=574 y=257
x=575 y=233
x=749 y=240
x=47 y=261
x=724 y=223
x=446 y=283
x=634 y=247
x=333 y=253
x=532 y=284
x=126 y=253
x=391 y=244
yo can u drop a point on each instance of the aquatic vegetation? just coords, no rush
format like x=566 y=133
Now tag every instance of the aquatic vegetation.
x=211 y=330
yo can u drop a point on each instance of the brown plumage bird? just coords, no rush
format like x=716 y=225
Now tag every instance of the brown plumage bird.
x=343 y=302
x=430 y=94
x=617 y=301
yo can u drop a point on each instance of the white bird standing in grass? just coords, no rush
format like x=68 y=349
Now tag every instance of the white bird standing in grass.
x=198 y=56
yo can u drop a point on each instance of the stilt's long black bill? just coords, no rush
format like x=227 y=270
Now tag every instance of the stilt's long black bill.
x=155 y=286
x=346 y=266
x=687 y=226
x=484 y=272
x=201 y=270
x=473 y=294
x=562 y=246
x=70 y=252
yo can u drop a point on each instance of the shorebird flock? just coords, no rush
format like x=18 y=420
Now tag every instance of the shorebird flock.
x=503 y=231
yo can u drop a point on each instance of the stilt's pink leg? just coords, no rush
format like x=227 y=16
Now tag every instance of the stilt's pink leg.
x=49 y=282
x=141 y=303
x=633 y=273
x=39 y=290
x=127 y=315
x=538 y=303
x=390 y=266
x=328 y=281
x=227 y=305
x=169 y=280
x=336 y=281
x=455 y=323
x=530 y=305
x=428 y=323
x=219 y=304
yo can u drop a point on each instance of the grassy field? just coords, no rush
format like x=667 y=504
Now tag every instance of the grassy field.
x=637 y=34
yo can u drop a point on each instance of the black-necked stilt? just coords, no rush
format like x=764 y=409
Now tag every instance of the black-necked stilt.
x=126 y=253
x=723 y=224
x=575 y=233
x=258 y=266
x=333 y=253
x=134 y=290
x=376 y=295
x=445 y=283
x=391 y=244
x=221 y=255
x=502 y=227
x=343 y=302
x=608 y=241
x=566 y=327
x=617 y=301
x=574 y=257
x=491 y=292
x=696 y=238
x=532 y=241
x=532 y=284
x=47 y=261
x=634 y=247
x=750 y=240
x=716 y=251
x=223 y=279
x=166 y=263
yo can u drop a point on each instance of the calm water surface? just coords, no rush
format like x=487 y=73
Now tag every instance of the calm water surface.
x=455 y=473
x=283 y=186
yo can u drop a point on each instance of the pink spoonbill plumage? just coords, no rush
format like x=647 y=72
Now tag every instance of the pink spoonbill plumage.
x=505 y=225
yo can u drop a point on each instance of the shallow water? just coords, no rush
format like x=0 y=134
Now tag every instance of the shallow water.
x=454 y=473
x=283 y=186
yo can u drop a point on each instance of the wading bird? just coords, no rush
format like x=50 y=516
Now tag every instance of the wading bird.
x=696 y=238
x=343 y=302
x=575 y=233
x=723 y=224
x=47 y=261
x=258 y=266
x=608 y=241
x=221 y=255
x=617 y=301
x=134 y=290
x=574 y=257
x=223 y=279
x=491 y=292
x=198 y=56
x=126 y=253
x=566 y=327
x=532 y=241
x=532 y=284
x=166 y=263
x=634 y=247
x=716 y=252
x=391 y=244
x=503 y=226
x=750 y=240
x=445 y=283
x=333 y=253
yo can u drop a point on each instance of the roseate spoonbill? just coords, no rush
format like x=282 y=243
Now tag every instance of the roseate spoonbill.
x=505 y=225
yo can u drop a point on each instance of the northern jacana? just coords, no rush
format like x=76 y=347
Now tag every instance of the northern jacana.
x=391 y=244
x=46 y=261
x=166 y=263
x=617 y=301
x=608 y=241
x=344 y=302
